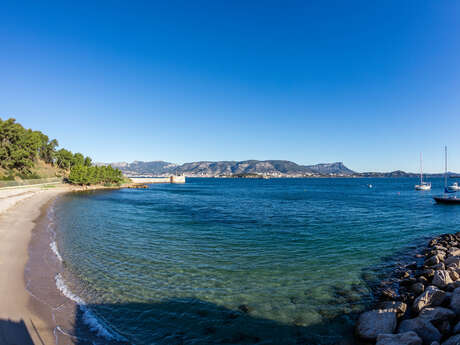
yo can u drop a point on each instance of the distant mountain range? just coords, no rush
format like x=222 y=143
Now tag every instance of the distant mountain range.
x=155 y=168
x=271 y=168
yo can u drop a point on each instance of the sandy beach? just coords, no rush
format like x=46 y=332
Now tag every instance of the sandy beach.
x=20 y=322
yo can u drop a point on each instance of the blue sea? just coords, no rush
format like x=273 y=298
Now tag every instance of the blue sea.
x=237 y=261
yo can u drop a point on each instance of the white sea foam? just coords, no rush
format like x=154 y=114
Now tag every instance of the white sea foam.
x=89 y=318
x=55 y=250
x=51 y=224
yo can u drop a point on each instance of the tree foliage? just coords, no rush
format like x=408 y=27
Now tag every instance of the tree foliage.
x=86 y=175
x=21 y=148
x=64 y=159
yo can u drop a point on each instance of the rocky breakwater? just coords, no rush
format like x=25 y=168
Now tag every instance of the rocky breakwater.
x=421 y=305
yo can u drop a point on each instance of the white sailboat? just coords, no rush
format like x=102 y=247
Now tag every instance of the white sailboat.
x=454 y=187
x=423 y=185
x=447 y=198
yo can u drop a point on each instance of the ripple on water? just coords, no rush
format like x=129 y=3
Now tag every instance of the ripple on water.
x=177 y=262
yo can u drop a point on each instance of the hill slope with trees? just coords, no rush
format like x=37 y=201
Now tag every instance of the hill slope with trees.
x=29 y=154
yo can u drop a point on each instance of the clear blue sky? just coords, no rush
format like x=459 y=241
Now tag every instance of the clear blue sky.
x=369 y=83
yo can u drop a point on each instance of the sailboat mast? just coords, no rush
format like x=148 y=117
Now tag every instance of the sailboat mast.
x=421 y=171
x=445 y=170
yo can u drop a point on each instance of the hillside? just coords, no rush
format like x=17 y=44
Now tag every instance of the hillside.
x=274 y=168
x=148 y=168
x=29 y=154
x=279 y=168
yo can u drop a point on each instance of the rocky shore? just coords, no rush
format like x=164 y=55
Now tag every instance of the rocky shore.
x=421 y=304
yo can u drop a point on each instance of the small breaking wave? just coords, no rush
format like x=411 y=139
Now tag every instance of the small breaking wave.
x=96 y=325
x=55 y=250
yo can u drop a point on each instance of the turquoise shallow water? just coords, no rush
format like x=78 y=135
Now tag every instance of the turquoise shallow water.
x=177 y=264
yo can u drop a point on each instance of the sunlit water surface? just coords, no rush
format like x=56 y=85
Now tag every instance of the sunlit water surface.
x=239 y=261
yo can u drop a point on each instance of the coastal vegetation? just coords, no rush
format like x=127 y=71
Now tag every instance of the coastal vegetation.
x=29 y=154
x=87 y=175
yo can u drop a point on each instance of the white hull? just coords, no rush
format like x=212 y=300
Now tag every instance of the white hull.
x=454 y=188
x=423 y=187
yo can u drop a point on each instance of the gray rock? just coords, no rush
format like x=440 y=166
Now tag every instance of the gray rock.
x=408 y=281
x=428 y=273
x=393 y=306
x=454 y=275
x=372 y=323
x=437 y=314
x=433 y=242
x=443 y=327
x=423 y=280
x=407 y=338
x=455 y=340
x=456 y=328
x=441 y=252
x=441 y=279
x=422 y=327
x=454 y=251
x=432 y=296
x=439 y=266
x=389 y=293
x=455 y=301
x=432 y=260
x=417 y=288
x=453 y=260
x=448 y=298
x=439 y=247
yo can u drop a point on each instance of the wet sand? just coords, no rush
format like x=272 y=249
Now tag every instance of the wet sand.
x=23 y=319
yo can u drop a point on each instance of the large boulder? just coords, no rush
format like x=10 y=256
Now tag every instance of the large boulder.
x=437 y=314
x=455 y=301
x=455 y=340
x=432 y=296
x=453 y=274
x=439 y=266
x=428 y=273
x=407 y=338
x=456 y=328
x=443 y=326
x=454 y=251
x=453 y=261
x=423 y=327
x=441 y=279
x=372 y=323
x=417 y=288
x=432 y=260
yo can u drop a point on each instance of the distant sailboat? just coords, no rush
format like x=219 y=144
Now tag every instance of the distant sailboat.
x=422 y=185
x=454 y=187
x=446 y=198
